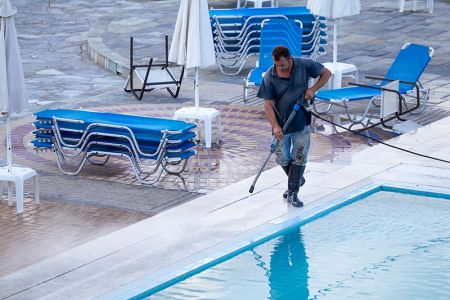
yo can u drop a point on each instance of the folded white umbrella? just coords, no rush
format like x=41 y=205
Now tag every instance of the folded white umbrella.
x=192 y=42
x=13 y=95
x=334 y=9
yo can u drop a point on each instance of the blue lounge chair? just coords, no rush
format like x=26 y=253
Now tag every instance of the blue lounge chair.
x=150 y=144
x=407 y=68
x=274 y=33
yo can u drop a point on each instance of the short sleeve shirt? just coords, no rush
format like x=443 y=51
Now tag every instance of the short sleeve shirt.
x=285 y=92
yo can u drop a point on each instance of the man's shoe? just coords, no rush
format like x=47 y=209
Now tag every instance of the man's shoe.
x=286 y=193
x=294 y=200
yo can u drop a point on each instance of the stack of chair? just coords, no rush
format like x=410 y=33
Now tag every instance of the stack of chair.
x=151 y=145
x=237 y=33
x=274 y=33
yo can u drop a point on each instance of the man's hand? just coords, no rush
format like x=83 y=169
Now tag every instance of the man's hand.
x=270 y=114
x=309 y=94
x=324 y=75
x=278 y=132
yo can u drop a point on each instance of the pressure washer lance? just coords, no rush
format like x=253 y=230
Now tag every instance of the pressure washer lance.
x=275 y=141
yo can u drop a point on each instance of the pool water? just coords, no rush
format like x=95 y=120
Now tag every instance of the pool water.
x=386 y=246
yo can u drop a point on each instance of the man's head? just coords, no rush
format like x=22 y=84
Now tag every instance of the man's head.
x=281 y=57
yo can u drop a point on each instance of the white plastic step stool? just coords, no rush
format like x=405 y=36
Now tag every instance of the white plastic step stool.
x=207 y=115
x=18 y=175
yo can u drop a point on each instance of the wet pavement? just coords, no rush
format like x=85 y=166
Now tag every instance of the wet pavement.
x=67 y=48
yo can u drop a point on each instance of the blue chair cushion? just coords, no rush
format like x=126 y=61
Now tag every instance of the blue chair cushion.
x=150 y=136
x=138 y=123
x=349 y=93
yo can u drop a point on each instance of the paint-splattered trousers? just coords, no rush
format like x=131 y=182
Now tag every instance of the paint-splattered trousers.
x=293 y=148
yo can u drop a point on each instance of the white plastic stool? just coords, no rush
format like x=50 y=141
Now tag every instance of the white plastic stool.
x=341 y=68
x=18 y=175
x=401 y=5
x=207 y=115
x=258 y=3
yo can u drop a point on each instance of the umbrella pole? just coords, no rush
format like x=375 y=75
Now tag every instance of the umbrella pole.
x=334 y=44
x=336 y=81
x=8 y=142
x=196 y=91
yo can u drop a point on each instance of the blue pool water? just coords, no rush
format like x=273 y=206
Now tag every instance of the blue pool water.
x=386 y=246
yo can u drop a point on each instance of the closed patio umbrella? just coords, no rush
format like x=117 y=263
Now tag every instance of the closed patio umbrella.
x=192 y=42
x=334 y=9
x=192 y=46
x=13 y=99
x=13 y=95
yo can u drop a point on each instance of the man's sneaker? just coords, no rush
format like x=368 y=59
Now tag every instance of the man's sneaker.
x=294 y=200
x=286 y=193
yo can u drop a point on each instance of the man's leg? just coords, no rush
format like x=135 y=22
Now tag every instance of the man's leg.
x=283 y=155
x=300 y=148
x=286 y=169
x=295 y=174
x=302 y=180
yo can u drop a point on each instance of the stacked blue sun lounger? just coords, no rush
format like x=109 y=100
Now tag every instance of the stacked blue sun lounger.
x=150 y=144
x=237 y=33
x=273 y=33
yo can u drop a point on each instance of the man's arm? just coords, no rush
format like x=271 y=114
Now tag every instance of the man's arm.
x=270 y=115
x=324 y=75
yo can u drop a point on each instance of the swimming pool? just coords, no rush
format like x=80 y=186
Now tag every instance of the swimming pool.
x=388 y=245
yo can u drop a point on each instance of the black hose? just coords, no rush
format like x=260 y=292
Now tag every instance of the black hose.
x=376 y=140
x=308 y=109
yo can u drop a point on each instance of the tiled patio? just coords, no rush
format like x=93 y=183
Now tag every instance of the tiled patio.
x=103 y=199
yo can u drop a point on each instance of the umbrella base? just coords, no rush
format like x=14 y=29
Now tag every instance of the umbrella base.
x=18 y=175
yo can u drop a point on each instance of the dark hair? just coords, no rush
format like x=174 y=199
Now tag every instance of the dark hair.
x=280 y=51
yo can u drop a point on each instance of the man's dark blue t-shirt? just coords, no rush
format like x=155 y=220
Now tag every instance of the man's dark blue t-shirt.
x=285 y=92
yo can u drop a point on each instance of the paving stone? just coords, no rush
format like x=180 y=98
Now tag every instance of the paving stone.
x=54 y=36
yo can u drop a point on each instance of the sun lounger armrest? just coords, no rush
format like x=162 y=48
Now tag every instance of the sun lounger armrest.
x=388 y=79
x=381 y=88
x=401 y=81
x=377 y=77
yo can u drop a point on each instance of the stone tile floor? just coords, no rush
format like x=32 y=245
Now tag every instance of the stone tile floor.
x=53 y=36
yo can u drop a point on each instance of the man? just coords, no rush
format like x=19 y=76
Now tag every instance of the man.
x=284 y=84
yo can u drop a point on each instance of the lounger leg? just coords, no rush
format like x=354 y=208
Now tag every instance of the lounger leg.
x=401 y=5
x=219 y=124
x=36 y=190
x=336 y=120
x=208 y=130
x=1 y=190
x=19 y=196
x=10 y=193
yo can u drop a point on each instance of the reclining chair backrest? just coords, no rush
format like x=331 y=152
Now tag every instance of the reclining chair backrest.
x=286 y=28
x=272 y=35
x=409 y=65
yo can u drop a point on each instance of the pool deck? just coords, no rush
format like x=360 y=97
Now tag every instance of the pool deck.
x=181 y=234
x=78 y=243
